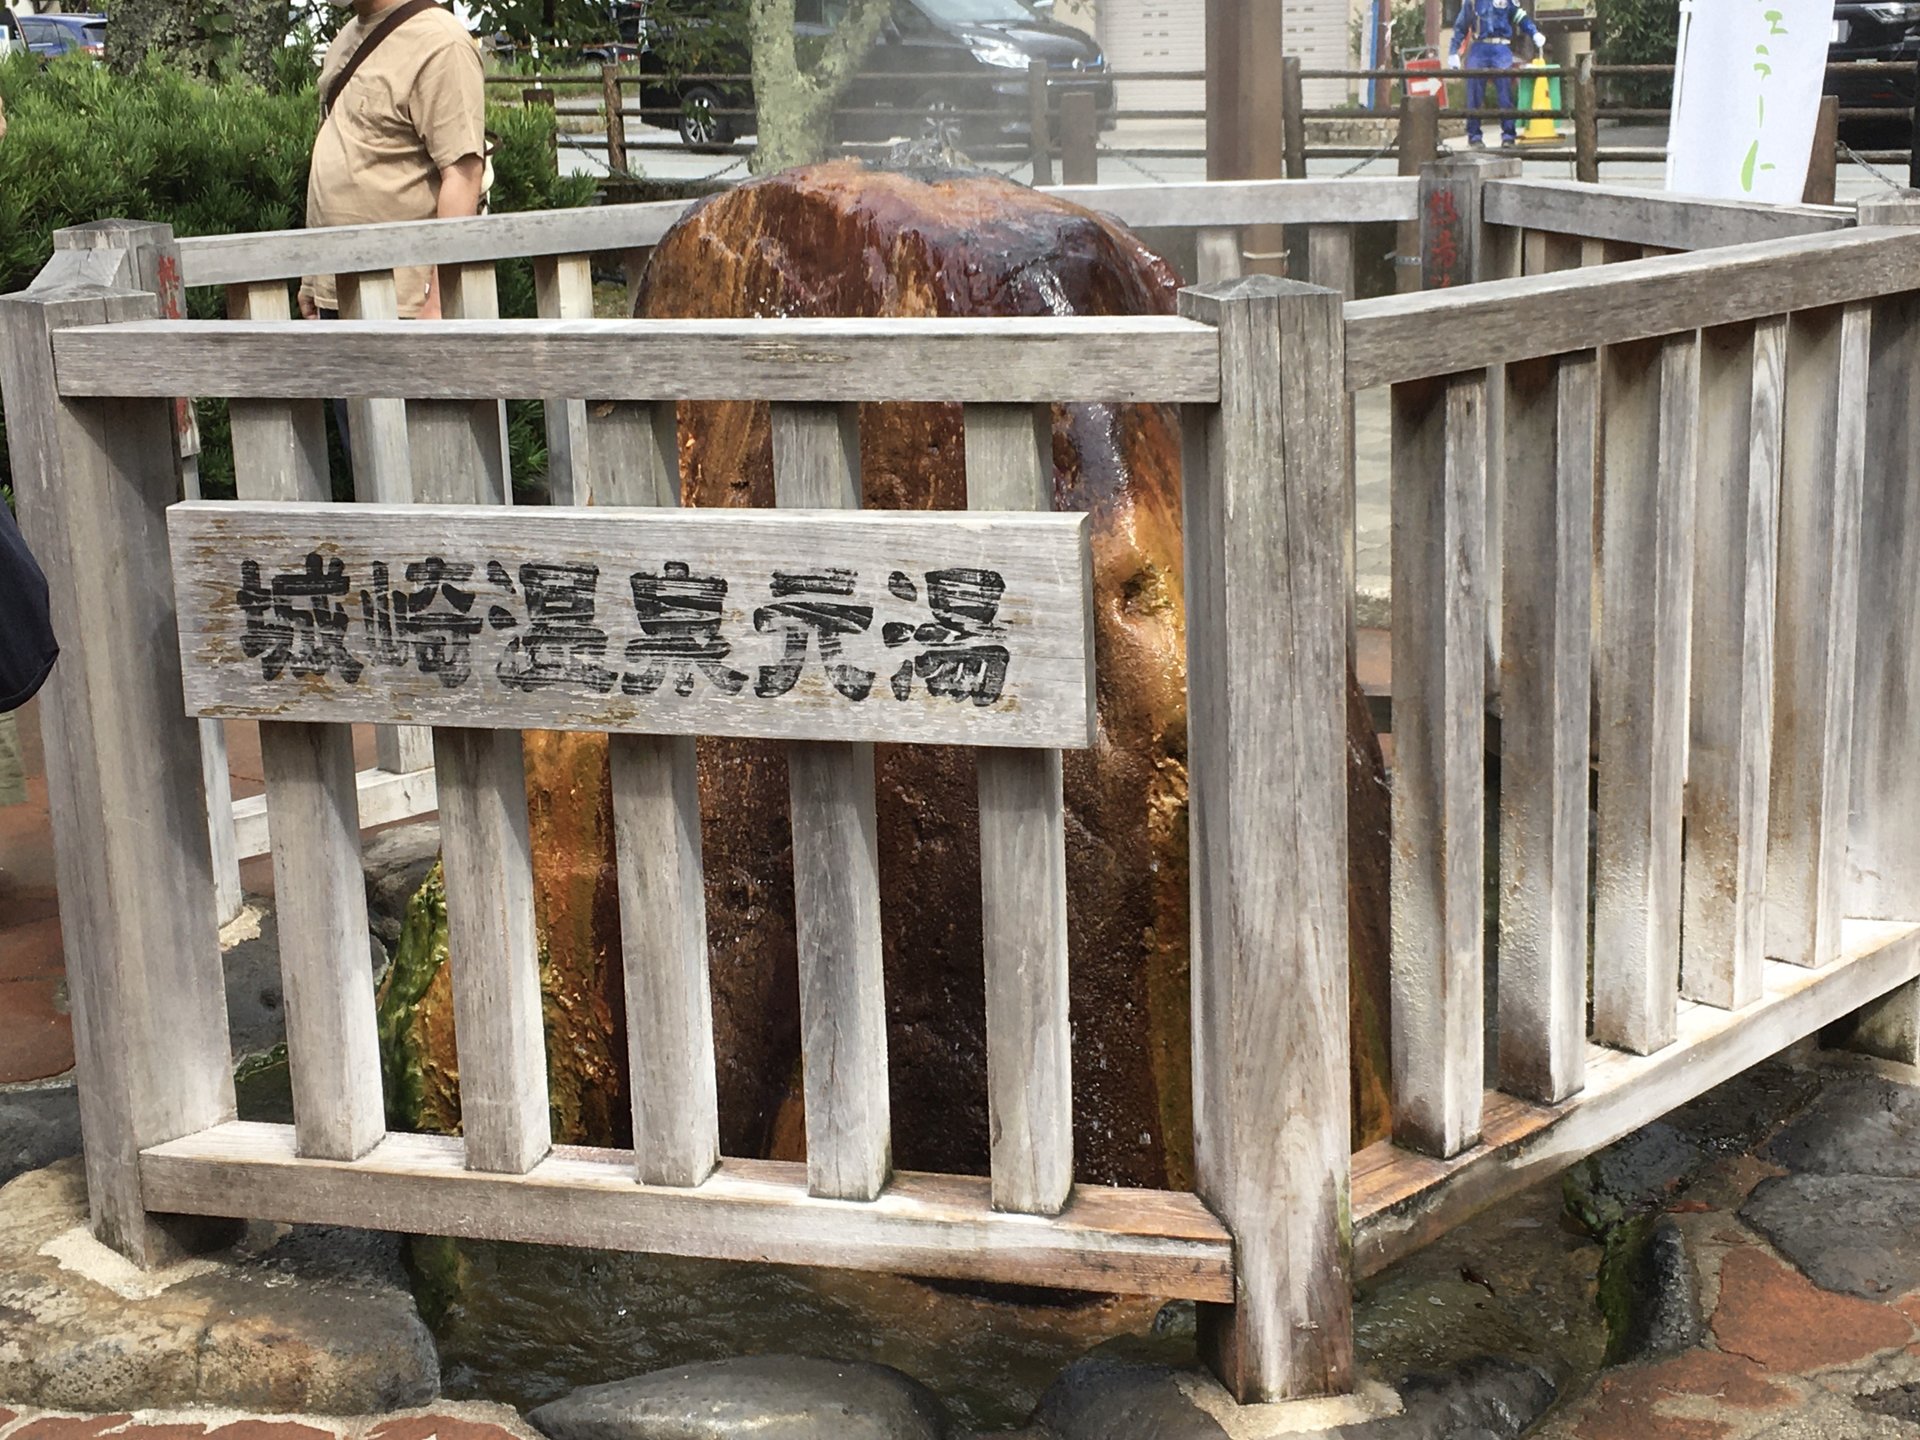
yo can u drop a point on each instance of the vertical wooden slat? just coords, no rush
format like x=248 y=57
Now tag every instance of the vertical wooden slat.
x=1023 y=879
x=492 y=944
x=472 y=292
x=1652 y=390
x=663 y=906
x=333 y=1049
x=1545 y=689
x=1439 y=618
x=92 y=481
x=1217 y=255
x=383 y=474
x=1330 y=264
x=636 y=457
x=563 y=286
x=1883 y=858
x=1723 y=908
x=1561 y=252
x=493 y=949
x=836 y=873
x=1817 y=605
x=1267 y=741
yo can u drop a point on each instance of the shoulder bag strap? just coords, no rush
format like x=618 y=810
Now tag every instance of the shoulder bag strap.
x=393 y=21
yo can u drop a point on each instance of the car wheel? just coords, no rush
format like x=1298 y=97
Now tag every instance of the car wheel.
x=702 y=127
x=940 y=119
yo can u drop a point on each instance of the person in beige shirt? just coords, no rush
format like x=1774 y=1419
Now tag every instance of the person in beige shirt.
x=405 y=139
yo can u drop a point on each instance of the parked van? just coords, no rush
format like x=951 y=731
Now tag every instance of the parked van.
x=952 y=68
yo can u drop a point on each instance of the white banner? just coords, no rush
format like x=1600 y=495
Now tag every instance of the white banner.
x=1747 y=96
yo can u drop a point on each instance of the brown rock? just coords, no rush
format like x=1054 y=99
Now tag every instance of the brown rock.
x=1776 y=1317
x=841 y=239
x=437 y=1427
x=1666 y=1399
x=270 y=1430
x=70 y=1427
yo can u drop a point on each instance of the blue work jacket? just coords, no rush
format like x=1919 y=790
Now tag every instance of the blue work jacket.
x=1496 y=20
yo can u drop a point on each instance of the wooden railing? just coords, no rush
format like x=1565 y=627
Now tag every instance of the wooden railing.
x=1757 y=395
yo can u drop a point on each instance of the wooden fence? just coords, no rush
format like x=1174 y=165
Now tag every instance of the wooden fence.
x=1756 y=393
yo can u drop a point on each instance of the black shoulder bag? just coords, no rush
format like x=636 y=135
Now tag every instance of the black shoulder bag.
x=27 y=650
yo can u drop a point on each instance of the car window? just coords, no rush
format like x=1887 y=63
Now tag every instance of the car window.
x=96 y=33
x=976 y=12
x=38 y=32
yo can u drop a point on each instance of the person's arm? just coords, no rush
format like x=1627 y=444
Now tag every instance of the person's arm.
x=459 y=196
x=1533 y=30
x=1462 y=26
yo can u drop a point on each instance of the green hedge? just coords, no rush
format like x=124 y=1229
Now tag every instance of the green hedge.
x=1636 y=32
x=83 y=144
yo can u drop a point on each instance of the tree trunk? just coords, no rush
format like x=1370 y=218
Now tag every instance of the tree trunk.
x=222 y=37
x=796 y=102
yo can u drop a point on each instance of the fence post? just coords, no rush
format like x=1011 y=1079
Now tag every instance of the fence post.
x=155 y=267
x=1586 y=122
x=616 y=119
x=1079 y=139
x=1883 y=864
x=1418 y=142
x=124 y=782
x=1824 y=164
x=1267 y=656
x=1293 y=121
x=1039 y=123
x=1456 y=246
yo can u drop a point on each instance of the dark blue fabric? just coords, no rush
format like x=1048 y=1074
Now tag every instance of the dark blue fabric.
x=27 y=649
x=1482 y=56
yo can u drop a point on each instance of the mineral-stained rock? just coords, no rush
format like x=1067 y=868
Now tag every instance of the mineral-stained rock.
x=315 y=1320
x=762 y=1397
x=845 y=240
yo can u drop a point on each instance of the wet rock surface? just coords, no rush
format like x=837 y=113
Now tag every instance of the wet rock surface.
x=37 y=1127
x=1490 y=1398
x=766 y=1397
x=303 y=1320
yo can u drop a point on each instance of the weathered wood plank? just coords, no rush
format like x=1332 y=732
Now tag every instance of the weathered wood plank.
x=1652 y=392
x=383 y=798
x=663 y=927
x=1023 y=880
x=1818 y=595
x=634 y=453
x=1005 y=361
x=347 y=249
x=472 y=292
x=1237 y=203
x=131 y=857
x=1402 y=1201
x=563 y=286
x=1218 y=256
x=1267 y=740
x=1405 y=337
x=382 y=461
x=1647 y=217
x=320 y=897
x=493 y=948
x=759 y=1211
x=801 y=621
x=836 y=873
x=1723 y=888
x=333 y=1049
x=1439 y=614
x=1883 y=860
x=1546 y=674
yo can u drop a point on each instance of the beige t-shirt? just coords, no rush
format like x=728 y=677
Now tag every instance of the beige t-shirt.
x=417 y=106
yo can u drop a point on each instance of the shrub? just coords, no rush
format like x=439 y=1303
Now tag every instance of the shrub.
x=1637 y=32
x=83 y=144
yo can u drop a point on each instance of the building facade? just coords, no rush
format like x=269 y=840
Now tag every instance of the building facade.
x=1171 y=35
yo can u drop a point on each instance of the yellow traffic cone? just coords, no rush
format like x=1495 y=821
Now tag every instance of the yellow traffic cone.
x=1540 y=127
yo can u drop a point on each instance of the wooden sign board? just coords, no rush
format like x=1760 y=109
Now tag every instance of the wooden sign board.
x=963 y=629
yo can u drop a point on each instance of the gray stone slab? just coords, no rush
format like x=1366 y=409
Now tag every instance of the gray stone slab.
x=1859 y=1125
x=760 y=1397
x=1858 y=1234
x=1108 y=1399
x=37 y=1127
x=1492 y=1398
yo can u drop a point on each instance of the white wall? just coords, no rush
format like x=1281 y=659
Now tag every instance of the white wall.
x=1171 y=34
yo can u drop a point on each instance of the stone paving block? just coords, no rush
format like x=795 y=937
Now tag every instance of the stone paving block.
x=1775 y=1316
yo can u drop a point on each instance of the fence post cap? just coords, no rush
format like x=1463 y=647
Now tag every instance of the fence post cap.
x=1203 y=301
x=1892 y=206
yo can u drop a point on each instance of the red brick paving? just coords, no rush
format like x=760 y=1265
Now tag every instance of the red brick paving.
x=69 y=1427
x=263 y=1430
x=1772 y=1314
x=1628 y=1407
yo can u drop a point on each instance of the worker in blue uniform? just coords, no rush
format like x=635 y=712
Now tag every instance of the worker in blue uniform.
x=1483 y=35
